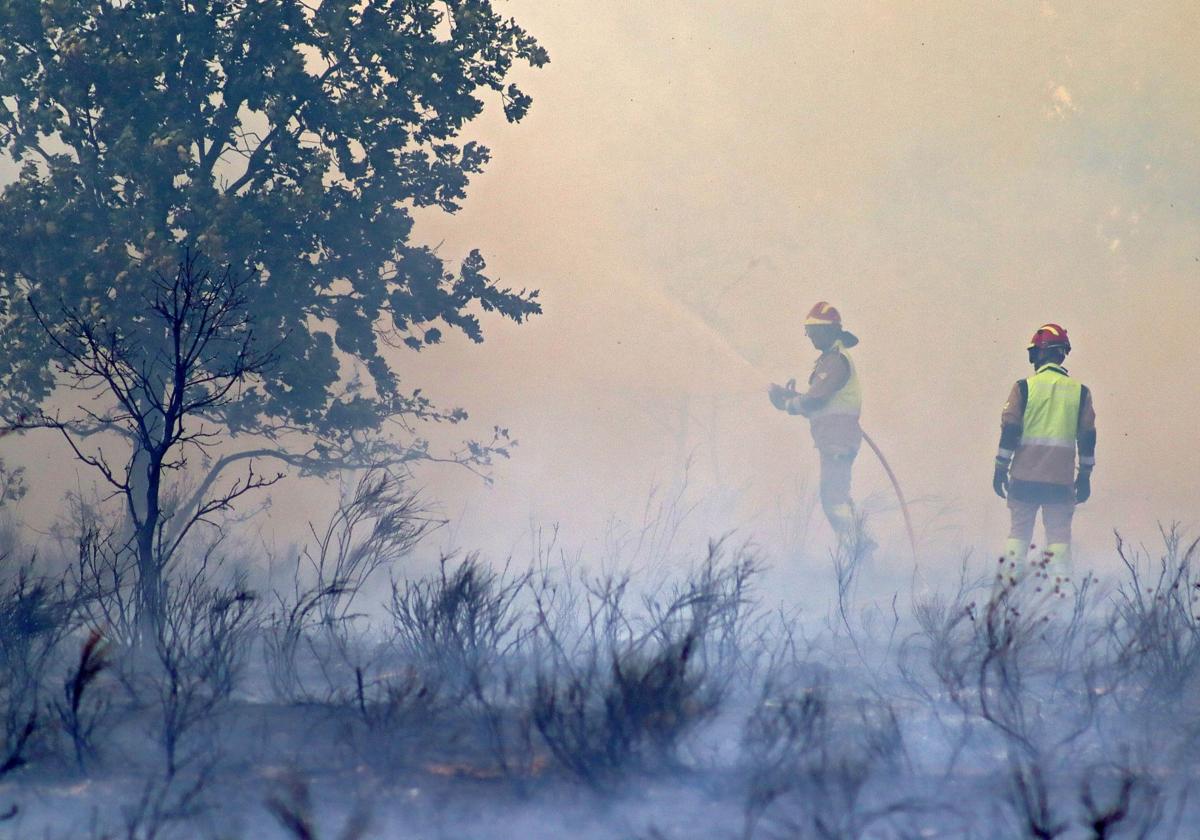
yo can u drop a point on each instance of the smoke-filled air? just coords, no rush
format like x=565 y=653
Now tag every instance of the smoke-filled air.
x=528 y=419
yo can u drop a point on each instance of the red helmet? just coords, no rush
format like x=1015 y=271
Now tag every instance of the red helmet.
x=1050 y=335
x=823 y=313
x=826 y=315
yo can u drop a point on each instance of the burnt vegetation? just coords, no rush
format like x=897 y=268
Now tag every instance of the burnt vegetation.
x=977 y=713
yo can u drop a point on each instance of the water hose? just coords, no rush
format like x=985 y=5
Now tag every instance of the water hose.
x=887 y=468
x=912 y=537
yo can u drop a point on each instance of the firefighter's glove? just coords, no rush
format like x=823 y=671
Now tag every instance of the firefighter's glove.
x=780 y=396
x=1083 y=486
x=1000 y=478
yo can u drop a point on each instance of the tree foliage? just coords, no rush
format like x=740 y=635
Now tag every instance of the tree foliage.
x=288 y=140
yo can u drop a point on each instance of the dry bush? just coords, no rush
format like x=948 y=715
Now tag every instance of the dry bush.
x=1119 y=800
x=463 y=632
x=104 y=579
x=463 y=623
x=1156 y=621
x=166 y=801
x=201 y=650
x=1042 y=674
x=784 y=728
x=1030 y=798
x=378 y=524
x=180 y=685
x=620 y=689
x=1020 y=705
x=291 y=805
x=36 y=615
x=810 y=764
x=1115 y=799
x=943 y=647
x=82 y=710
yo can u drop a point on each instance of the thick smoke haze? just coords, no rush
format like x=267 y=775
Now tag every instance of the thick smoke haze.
x=694 y=175
x=951 y=177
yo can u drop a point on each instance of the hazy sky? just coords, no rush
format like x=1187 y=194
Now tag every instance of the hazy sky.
x=694 y=175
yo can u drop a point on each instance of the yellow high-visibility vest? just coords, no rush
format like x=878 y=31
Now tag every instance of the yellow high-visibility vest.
x=1051 y=408
x=847 y=400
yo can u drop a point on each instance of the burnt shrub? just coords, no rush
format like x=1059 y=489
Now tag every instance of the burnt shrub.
x=620 y=688
x=1155 y=625
x=36 y=616
x=460 y=635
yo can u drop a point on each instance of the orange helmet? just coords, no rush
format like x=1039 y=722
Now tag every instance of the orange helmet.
x=1050 y=335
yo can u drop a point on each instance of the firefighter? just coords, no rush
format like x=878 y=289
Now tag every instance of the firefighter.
x=1047 y=417
x=832 y=403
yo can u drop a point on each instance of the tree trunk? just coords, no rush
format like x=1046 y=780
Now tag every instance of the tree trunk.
x=150 y=617
x=145 y=476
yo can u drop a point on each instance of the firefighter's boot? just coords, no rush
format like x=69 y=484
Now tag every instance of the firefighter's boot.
x=1013 y=566
x=841 y=517
x=1058 y=569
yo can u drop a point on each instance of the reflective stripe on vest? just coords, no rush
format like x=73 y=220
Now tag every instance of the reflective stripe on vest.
x=1051 y=408
x=848 y=399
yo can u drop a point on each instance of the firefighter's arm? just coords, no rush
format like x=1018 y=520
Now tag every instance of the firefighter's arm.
x=785 y=398
x=1012 y=422
x=780 y=396
x=1086 y=438
x=830 y=375
x=1086 y=441
x=797 y=405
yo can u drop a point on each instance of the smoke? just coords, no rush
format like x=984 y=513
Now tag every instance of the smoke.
x=949 y=177
x=693 y=177
x=543 y=697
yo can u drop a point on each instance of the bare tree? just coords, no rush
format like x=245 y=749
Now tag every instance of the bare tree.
x=159 y=383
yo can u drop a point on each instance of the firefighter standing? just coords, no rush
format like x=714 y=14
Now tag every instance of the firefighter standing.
x=1047 y=417
x=832 y=403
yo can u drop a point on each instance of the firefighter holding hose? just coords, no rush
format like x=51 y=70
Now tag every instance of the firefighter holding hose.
x=1047 y=418
x=832 y=403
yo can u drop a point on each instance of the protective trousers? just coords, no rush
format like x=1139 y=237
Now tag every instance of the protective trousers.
x=836 y=464
x=1055 y=562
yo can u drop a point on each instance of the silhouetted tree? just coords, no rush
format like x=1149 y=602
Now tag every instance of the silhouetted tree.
x=286 y=140
x=159 y=380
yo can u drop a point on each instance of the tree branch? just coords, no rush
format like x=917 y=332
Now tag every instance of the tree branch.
x=97 y=461
x=225 y=501
x=258 y=156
